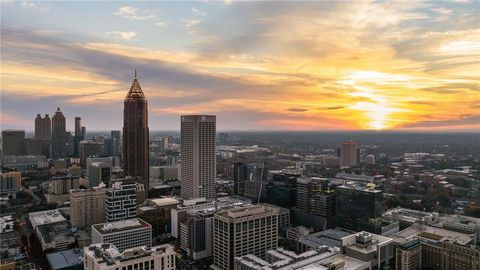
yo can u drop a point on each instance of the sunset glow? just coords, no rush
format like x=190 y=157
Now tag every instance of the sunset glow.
x=343 y=65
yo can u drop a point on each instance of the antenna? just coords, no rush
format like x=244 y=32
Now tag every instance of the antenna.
x=135 y=73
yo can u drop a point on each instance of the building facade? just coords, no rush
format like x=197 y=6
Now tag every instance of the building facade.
x=13 y=142
x=136 y=134
x=10 y=183
x=87 y=207
x=121 y=201
x=198 y=170
x=348 y=154
x=124 y=234
x=238 y=232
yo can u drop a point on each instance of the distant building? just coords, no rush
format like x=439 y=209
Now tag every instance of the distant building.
x=359 y=208
x=376 y=250
x=13 y=142
x=59 y=135
x=43 y=127
x=89 y=149
x=370 y=160
x=238 y=232
x=408 y=256
x=108 y=257
x=123 y=234
x=87 y=207
x=348 y=154
x=198 y=169
x=136 y=134
x=99 y=172
x=121 y=201
x=10 y=183
x=78 y=136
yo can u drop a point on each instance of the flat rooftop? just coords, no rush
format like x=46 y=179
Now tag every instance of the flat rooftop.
x=66 y=258
x=358 y=187
x=330 y=237
x=45 y=217
x=119 y=226
x=164 y=201
x=429 y=233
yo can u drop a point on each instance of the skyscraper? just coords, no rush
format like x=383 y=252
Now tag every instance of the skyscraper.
x=87 y=207
x=198 y=168
x=348 y=154
x=135 y=134
x=78 y=137
x=59 y=135
x=121 y=201
x=13 y=142
x=43 y=127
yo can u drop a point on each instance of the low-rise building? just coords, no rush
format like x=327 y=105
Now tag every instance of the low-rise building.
x=108 y=257
x=123 y=234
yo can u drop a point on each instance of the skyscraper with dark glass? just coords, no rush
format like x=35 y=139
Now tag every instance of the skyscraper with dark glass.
x=59 y=135
x=135 y=134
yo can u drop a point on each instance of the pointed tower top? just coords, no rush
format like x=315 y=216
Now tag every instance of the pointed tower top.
x=58 y=109
x=135 y=90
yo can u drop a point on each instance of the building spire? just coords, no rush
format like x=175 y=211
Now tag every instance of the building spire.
x=135 y=73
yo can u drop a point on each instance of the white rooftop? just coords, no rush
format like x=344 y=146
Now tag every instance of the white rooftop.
x=45 y=217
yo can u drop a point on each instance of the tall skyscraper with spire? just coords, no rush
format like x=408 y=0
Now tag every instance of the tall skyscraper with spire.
x=135 y=134
x=59 y=135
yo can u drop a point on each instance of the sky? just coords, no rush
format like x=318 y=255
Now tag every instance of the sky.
x=342 y=65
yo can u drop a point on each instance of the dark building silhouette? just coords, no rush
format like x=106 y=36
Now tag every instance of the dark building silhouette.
x=13 y=142
x=135 y=134
x=43 y=127
x=59 y=135
x=359 y=208
x=78 y=136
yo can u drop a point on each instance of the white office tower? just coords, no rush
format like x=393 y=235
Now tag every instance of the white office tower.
x=198 y=170
x=249 y=230
x=123 y=234
x=108 y=257
x=121 y=201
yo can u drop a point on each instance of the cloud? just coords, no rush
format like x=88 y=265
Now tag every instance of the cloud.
x=132 y=13
x=297 y=110
x=160 y=24
x=39 y=5
x=198 y=12
x=122 y=35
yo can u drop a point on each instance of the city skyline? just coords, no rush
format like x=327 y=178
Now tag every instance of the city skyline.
x=304 y=66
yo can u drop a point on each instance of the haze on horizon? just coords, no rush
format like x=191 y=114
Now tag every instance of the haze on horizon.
x=345 y=65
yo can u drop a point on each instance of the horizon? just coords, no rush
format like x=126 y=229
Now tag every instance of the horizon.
x=302 y=66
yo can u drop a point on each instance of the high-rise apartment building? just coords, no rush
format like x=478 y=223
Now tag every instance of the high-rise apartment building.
x=43 y=127
x=135 y=134
x=59 y=135
x=348 y=154
x=359 y=208
x=108 y=257
x=123 y=234
x=87 y=207
x=198 y=170
x=99 y=172
x=115 y=137
x=13 y=142
x=249 y=230
x=121 y=201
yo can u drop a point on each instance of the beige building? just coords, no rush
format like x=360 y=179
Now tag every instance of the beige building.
x=248 y=230
x=107 y=257
x=198 y=170
x=348 y=154
x=10 y=182
x=87 y=207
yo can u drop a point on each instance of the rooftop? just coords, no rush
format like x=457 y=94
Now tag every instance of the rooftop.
x=109 y=254
x=247 y=211
x=355 y=186
x=330 y=237
x=164 y=201
x=431 y=234
x=119 y=226
x=66 y=258
x=45 y=217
